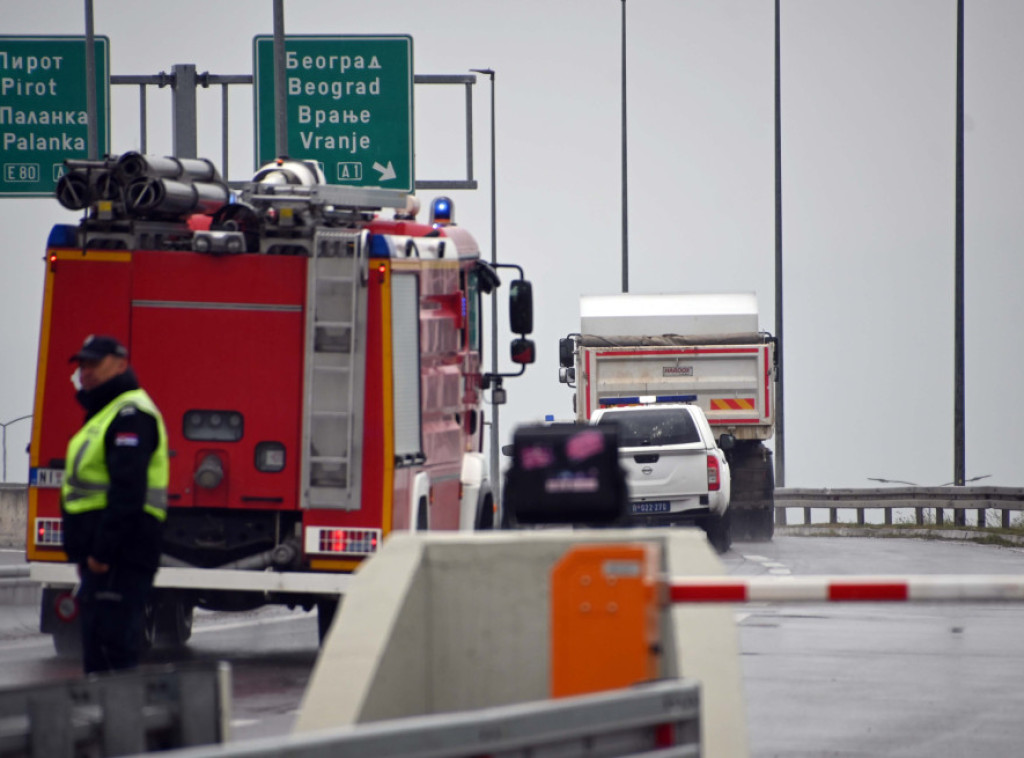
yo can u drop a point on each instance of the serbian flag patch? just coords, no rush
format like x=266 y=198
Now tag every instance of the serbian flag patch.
x=126 y=439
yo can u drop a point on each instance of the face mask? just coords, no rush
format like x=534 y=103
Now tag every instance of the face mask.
x=76 y=379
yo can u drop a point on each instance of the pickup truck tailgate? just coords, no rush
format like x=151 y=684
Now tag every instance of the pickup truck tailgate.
x=669 y=473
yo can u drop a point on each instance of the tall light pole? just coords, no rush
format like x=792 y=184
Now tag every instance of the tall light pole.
x=959 y=453
x=3 y=426
x=625 y=203
x=780 y=352
x=495 y=436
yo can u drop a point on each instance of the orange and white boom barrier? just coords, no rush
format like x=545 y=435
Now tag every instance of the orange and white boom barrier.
x=827 y=589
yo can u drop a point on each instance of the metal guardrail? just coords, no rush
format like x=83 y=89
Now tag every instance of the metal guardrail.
x=660 y=718
x=959 y=500
x=119 y=714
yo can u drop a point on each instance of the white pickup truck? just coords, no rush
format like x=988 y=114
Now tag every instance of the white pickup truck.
x=676 y=472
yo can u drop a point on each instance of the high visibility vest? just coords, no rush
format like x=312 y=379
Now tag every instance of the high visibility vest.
x=86 y=478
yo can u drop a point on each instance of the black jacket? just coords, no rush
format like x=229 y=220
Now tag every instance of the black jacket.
x=122 y=534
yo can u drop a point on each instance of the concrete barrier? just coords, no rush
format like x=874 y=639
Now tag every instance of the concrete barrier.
x=17 y=591
x=13 y=514
x=439 y=623
x=15 y=586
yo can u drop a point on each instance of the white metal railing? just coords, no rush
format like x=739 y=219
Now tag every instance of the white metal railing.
x=118 y=714
x=938 y=500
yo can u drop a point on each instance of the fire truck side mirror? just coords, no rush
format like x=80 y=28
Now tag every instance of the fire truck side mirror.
x=523 y=351
x=566 y=352
x=520 y=307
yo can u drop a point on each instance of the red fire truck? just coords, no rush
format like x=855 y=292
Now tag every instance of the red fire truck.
x=318 y=367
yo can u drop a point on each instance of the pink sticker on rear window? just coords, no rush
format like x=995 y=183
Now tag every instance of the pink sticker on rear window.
x=584 y=445
x=535 y=457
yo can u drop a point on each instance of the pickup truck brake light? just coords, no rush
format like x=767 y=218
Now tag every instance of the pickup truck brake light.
x=714 y=475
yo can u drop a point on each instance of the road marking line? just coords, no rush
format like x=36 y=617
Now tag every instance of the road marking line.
x=241 y=624
x=26 y=645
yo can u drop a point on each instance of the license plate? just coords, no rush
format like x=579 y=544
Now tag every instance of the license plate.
x=51 y=478
x=658 y=506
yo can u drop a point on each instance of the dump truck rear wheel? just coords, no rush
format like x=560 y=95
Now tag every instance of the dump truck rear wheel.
x=753 y=491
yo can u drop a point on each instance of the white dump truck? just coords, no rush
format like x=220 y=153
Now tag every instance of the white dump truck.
x=699 y=348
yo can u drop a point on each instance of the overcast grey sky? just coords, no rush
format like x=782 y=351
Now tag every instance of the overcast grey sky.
x=868 y=118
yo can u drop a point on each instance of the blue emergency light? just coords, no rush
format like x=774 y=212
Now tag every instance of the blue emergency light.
x=442 y=211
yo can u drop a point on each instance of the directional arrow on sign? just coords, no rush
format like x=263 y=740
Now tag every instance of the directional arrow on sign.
x=386 y=172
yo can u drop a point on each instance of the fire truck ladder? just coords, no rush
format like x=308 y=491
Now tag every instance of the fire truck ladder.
x=335 y=370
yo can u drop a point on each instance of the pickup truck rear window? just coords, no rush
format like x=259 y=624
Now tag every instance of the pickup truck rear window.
x=652 y=428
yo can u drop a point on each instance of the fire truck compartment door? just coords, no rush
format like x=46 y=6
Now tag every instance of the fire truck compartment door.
x=405 y=361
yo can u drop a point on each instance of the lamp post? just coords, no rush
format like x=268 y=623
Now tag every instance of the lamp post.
x=4 y=426
x=780 y=346
x=959 y=411
x=625 y=203
x=495 y=436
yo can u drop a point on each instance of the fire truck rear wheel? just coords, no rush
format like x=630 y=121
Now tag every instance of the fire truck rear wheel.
x=67 y=640
x=326 y=609
x=172 y=623
x=148 y=627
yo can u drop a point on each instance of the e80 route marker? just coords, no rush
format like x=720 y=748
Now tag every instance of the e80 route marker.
x=825 y=589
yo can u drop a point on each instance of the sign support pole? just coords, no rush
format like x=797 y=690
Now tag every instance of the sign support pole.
x=92 y=138
x=280 y=93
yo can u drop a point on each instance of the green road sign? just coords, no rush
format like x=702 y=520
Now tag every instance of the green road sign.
x=349 y=102
x=43 y=110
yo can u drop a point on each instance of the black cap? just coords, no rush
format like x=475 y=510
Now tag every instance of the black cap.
x=97 y=346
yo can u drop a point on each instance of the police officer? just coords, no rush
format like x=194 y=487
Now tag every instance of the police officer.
x=114 y=502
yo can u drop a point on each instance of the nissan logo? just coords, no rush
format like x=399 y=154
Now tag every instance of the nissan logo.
x=647 y=471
